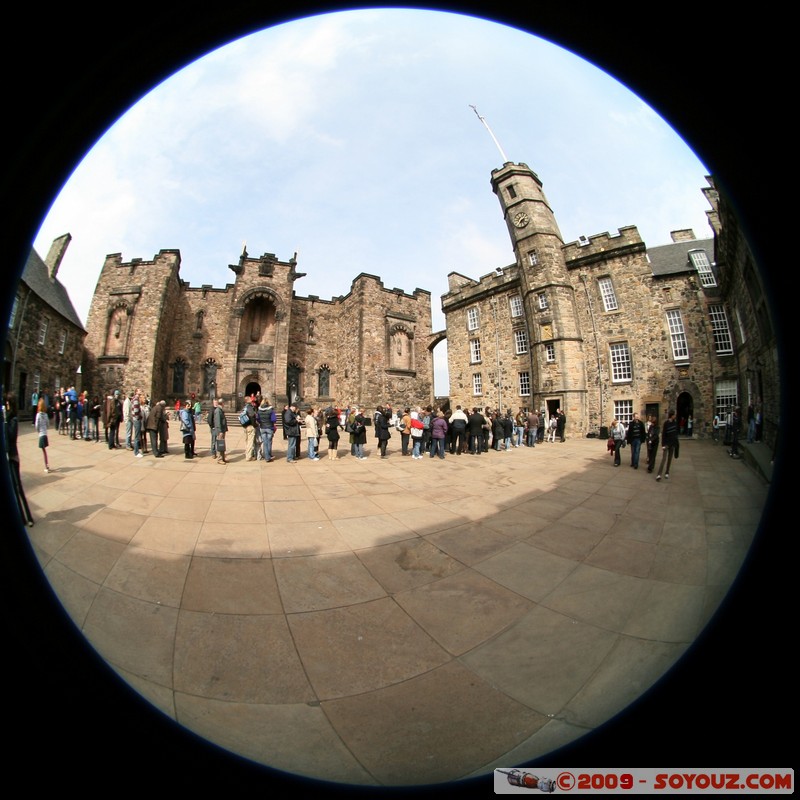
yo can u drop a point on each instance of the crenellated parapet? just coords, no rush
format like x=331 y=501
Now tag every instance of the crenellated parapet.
x=603 y=246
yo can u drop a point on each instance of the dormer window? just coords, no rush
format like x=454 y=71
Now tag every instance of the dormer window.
x=701 y=263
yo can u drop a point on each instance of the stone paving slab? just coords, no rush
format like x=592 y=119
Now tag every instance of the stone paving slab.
x=393 y=621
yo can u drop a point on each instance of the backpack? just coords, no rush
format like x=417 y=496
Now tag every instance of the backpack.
x=358 y=427
x=426 y=422
x=244 y=418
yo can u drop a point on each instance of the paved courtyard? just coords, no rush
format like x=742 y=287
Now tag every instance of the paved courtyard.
x=389 y=622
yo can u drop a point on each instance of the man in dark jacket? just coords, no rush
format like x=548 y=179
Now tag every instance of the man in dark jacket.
x=669 y=443
x=475 y=423
x=635 y=436
x=291 y=426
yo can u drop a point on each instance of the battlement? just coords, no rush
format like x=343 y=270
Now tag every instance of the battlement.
x=602 y=245
x=466 y=290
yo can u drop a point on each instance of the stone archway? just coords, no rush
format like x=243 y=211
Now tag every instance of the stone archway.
x=684 y=411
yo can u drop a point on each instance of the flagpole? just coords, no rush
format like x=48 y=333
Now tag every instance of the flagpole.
x=494 y=138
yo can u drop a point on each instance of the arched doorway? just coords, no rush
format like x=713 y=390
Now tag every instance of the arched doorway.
x=685 y=414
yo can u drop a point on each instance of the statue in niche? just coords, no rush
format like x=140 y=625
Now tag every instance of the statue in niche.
x=400 y=349
x=210 y=387
x=293 y=383
x=311 y=330
x=115 y=340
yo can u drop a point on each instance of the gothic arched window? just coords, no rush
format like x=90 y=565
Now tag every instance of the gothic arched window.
x=178 y=376
x=324 y=382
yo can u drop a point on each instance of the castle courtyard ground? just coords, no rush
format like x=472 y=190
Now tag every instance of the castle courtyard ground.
x=390 y=622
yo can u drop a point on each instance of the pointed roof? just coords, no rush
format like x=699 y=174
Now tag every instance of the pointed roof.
x=36 y=276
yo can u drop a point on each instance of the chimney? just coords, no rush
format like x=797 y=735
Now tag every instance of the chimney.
x=56 y=254
x=685 y=235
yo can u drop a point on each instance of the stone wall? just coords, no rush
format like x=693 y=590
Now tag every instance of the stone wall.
x=145 y=323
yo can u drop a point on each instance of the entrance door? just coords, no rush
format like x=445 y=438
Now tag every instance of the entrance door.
x=652 y=410
x=685 y=414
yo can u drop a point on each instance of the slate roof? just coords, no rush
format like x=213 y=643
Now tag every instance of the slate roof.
x=673 y=258
x=36 y=277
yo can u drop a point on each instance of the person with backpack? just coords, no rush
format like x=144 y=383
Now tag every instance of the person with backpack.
x=249 y=421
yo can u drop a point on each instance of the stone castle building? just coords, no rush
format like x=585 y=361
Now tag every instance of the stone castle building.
x=150 y=329
x=601 y=328
x=44 y=341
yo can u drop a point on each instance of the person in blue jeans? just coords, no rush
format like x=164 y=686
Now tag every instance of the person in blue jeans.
x=637 y=433
x=268 y=422
x=312 y=435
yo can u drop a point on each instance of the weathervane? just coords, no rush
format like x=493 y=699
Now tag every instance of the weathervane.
x=494 y=138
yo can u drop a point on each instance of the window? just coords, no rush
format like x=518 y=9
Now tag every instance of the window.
x=43 y=332
x=324 y=381
x=178 y=376
x=727 y=397
x=37 y=383
x=740 y=324
x=512 y=192
x=542 y=301
x=473 y=320
x=623 y=411
x=13 y=312
x=677 y=334
x=608 y=294
x=474 y=351
x=477 y=384
x=63 y=343
x=533 y=258
x=520 y=341
x=700 y=262
x=524 y=384
x=515 y=302
x=620 y=362
x=719 y=325
x=550 y=352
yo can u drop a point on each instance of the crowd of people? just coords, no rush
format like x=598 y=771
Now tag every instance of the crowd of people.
x=422 y=430
x=131 y=421
x=640 y=433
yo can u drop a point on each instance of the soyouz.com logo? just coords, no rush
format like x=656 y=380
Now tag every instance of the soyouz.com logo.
x=646 y=781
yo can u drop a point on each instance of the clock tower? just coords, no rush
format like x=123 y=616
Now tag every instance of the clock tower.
x=557 y=352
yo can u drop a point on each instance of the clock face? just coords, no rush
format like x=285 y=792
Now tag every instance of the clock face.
x=521 y=219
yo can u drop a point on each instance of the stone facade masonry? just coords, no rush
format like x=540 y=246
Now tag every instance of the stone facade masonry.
x=151 y=330
x=594 y=356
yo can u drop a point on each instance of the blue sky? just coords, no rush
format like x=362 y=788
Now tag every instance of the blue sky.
x=349 y=139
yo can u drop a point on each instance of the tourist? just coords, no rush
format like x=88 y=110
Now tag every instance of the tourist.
x=187 y=430
x=312 y=434
x=268 y=422
x=669 y=444
x=219 y=431
x=637 y=433
x=458 y=423
x=332 y=423
x=382 y=432
x=438 y=433
x=41 y=422
x=652 y=439
x=618 y=437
